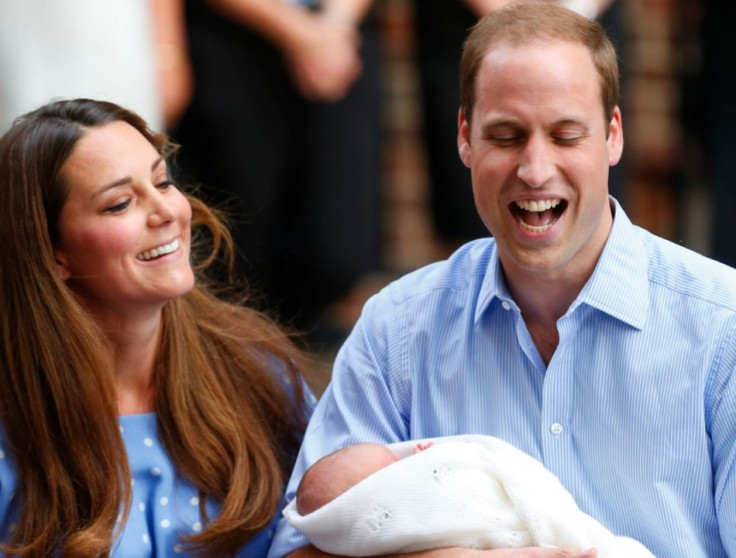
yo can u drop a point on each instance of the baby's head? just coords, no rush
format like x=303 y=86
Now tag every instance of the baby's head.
x=337 y=472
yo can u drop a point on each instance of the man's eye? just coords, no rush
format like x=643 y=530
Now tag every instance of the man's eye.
x=504 y=140
x=568 y=140
x=117 y=207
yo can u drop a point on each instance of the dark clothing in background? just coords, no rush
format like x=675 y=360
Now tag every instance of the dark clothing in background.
x=300 y=179
x=441 y=28
x=718 y=82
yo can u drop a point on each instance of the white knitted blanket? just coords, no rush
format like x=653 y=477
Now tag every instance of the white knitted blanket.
x=472 y=491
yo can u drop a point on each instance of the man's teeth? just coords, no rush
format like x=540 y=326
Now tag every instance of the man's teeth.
x=535 y=229
x=537 y=205
x=160 y=251
x=544 y=222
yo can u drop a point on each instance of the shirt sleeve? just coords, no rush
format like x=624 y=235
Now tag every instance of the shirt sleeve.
x=361 y=403
x=723 y=435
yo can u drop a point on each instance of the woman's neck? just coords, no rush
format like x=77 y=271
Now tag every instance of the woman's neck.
x=135 y=340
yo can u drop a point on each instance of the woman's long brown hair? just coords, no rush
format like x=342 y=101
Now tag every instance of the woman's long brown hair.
x=230 y=403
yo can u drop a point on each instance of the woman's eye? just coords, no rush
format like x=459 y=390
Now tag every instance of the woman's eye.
x=118 y=207
x=165 y=184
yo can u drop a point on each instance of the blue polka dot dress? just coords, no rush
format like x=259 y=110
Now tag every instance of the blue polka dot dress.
x=165 y=507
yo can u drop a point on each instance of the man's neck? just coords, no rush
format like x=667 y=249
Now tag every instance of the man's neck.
x=543 y=298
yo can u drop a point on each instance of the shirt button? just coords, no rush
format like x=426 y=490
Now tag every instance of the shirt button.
x=506 y=305
x=556 y=428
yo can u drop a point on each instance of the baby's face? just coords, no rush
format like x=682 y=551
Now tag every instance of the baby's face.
x=370 y=458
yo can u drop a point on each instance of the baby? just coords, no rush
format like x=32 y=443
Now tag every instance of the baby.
x=473 y=491
x=337 y=472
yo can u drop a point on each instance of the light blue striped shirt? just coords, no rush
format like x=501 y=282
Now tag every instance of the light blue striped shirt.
x=636 y=412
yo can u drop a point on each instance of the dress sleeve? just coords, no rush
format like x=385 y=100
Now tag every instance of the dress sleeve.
x=8 y=486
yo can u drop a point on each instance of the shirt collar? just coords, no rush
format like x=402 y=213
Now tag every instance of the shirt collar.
x=619 y=285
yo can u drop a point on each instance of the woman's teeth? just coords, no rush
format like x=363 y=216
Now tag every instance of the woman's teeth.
x=160 y=251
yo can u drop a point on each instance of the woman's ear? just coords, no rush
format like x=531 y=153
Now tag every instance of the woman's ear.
x=61 y=265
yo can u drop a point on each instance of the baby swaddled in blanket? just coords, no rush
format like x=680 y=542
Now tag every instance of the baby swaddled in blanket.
x=473 y=491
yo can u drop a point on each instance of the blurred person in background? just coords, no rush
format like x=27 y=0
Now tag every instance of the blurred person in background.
x=103 y=49
x=718 y=105
x=283 y=132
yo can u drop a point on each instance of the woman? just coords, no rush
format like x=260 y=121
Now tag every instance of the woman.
x=141 y=415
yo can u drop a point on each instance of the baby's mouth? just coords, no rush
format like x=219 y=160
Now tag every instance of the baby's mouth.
x=538 y=215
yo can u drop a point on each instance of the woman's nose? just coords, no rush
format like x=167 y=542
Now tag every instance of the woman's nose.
x=162 y=211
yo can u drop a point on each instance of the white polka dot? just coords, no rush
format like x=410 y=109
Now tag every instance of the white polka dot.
x=2 y=454
x=132 y=482
x=142 y=506
x=178 y=548
x=155 y=471
x=194 y=500
x=165 y=523
x=197 y=527
x=164 y=501
x=120 y=426
x=145 y=538
x=148 y=442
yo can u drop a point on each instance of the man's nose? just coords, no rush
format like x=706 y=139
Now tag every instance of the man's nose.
x=536 y=165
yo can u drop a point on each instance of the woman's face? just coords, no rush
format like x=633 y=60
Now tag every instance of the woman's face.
x=124 y=230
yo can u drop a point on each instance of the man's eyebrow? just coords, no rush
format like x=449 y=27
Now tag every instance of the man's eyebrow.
x=496 y=123
x=571 y=122
x=499 y=122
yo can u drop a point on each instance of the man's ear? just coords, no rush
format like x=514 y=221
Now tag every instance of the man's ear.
x=615 y=138
x=463 y=138
x=62 y=265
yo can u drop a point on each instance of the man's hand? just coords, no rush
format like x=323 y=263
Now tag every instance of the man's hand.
x=457 y=552
x=540 y=553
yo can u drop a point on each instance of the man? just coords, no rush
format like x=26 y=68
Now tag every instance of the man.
x=440 y=28
x=601 y=350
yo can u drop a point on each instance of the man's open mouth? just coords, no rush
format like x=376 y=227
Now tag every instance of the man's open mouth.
x=538 y=215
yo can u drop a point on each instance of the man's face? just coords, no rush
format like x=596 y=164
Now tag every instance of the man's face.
x=539 y=151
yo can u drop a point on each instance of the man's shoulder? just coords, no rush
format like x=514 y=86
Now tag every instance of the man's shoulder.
x=434 y=296
x=465 y=268
x=682 y=270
